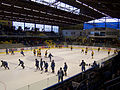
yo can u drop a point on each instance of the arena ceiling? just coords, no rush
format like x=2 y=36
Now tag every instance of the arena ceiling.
x=32 y=12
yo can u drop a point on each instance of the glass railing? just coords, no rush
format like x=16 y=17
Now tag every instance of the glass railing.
x=40 y=85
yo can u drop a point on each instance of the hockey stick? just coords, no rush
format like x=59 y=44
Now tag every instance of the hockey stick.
x=17 y=66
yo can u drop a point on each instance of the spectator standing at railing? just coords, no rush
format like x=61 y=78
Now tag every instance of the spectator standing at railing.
x=94 y=64
x=83 y=64
x=60 y=75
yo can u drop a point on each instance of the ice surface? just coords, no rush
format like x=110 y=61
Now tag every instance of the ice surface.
x=17 y=77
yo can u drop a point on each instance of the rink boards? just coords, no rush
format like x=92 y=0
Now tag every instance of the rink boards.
x=2 y=51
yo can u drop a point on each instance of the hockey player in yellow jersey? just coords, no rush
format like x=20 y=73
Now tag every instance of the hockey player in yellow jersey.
x=38 y=53
x=86 y=52
x=109 y=52
x=46 y=53
x=92 y=54
x=34 y=52
x=82 y=51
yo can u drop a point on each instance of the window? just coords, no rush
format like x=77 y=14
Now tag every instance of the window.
x=17 y=24
x=48 y=28
x=91 y=33
x=29 y=26
x=97 y=33
x=40 y=27
x=56 y=29
x=102 y=33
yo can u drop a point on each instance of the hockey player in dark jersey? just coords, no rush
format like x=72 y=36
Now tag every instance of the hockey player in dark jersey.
x=108 y=52
x=83 y=64
x=50 y=56
x=7 y=51
x=65 y=69
x=53 y=66
x=98 y=49
x=46 y=66
x=71 y=48
x=22 y=53
x=37 y=64
x=41 y=64
x=21 y=63
x=12 y=52
x=4 y=64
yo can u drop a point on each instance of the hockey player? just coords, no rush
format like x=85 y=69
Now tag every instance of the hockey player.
x=46 y=66
x=98 y=49
x=50 y=56
x=37 y=64
x=7 y=51
x=34 y=52
x=41 y=64
x=40 y=48
x=71 y=48
x=38 y=53
x=86 y=52
x=83 y=64
x=115 y=51
x=46 y=53
x=65 y=69
x=60 y=75
x=109 y=52
x=21 y=63
x=12 y=52
x=4 y=64
x=82 y=51
x=22 y=53
x=52 y=66
x=92 y=54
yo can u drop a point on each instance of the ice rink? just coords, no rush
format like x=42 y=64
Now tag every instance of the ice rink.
x=16 y=78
